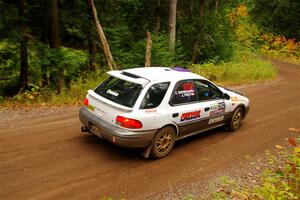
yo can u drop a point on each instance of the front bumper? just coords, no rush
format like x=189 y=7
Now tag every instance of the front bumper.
x=114 y=134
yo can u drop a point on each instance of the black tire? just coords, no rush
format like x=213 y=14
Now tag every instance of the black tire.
x=163 y=142
x=236 y=119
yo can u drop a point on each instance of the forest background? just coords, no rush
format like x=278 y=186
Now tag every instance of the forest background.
x=50 y=52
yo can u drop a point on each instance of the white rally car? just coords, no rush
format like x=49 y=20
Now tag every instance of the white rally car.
x=153 y=107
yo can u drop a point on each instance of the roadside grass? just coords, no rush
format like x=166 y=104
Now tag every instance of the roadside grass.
x=76 y=91
x=283 y=57
x=236 y=72
x=248 y=71
x=279 y=179
x=71 y=95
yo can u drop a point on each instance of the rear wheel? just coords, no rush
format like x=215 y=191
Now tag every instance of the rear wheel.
x=163 y=142
x=236 y=119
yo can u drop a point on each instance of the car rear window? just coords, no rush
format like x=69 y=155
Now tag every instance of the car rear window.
x=119 y=91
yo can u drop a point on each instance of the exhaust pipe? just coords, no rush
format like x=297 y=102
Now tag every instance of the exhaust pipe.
x=84 y=129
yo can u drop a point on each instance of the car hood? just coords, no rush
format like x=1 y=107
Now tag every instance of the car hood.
x=234 y=95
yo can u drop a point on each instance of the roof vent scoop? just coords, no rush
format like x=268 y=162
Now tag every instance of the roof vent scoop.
x=180 y=69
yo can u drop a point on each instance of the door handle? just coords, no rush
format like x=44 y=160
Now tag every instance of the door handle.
x=206 y=109
x=174 y=115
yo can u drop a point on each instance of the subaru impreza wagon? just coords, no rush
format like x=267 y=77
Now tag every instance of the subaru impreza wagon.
x=153 y=107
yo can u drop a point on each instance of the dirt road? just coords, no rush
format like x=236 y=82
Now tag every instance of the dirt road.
x=45 y=156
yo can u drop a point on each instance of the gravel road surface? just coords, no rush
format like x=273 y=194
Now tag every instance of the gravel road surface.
x=43 y=154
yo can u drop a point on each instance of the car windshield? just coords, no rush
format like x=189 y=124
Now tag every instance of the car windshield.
x=119 y=91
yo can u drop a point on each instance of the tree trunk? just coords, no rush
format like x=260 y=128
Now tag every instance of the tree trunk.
x=54 y=26
x=157 y=13
x=55 y=41
x=172 y=24
x=44 y=68
x=92 y=50
x=217 y=5
x=45 y=79
x=202 y=9
x=148 y=50
x=197 y=41
x=105 y=46
x=24 y=62
x=191 y=11
x=23 y=47
x=192 y=6
x=195 y=51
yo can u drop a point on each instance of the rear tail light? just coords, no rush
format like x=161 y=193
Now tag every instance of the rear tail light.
x=128 y=123
x=86 y=101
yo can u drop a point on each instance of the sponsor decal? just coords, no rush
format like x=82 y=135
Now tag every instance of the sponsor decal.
x=190 y=115
x=150 y=111
x=214 y=107
x=234 y=98
x=215 y=120
x=185 y=93
x=217 y=109
x=109 y=91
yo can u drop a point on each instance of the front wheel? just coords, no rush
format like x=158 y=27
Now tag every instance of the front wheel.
x=236 y=120
x=163 y=142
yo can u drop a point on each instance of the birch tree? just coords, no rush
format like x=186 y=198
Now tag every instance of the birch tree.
x=172 y=24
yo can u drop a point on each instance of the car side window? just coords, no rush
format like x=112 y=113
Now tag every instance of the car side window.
x=206 y=90
x=155 y=95
x=185 y=92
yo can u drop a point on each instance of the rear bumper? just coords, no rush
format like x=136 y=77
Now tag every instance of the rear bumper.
x=114 y=134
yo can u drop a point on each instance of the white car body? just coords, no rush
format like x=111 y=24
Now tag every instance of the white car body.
x=100 y=115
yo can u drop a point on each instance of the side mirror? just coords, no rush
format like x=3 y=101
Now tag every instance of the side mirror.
x=226 y=96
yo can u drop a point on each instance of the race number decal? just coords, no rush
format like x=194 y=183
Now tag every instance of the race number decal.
x=187 y=90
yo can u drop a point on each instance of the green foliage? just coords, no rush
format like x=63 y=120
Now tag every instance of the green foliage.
x=207 y=37
x=8 y=58
x=10 y=66
x=278 y=16
x=227 y=73
x=245 y=32
x=252 y=70
x=71 y=60
x=189 y=197
x=134 y=56
x=108 y=198
x=39 y=56
x=76 y=91
x=222 y=40
x=279 y=180
x=72 y=95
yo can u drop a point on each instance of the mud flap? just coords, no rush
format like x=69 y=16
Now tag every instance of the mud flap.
x=146 y=152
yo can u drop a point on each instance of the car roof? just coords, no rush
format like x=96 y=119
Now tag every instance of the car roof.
x=161 y=73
